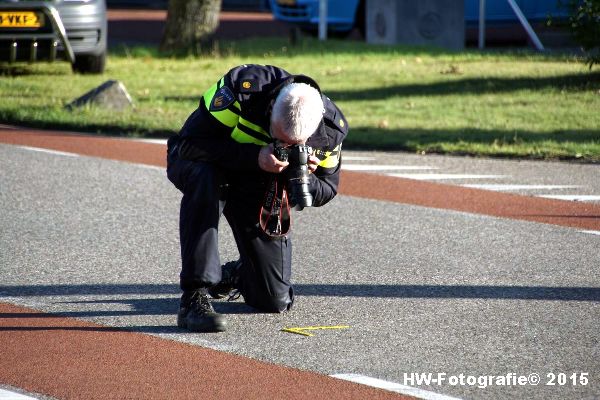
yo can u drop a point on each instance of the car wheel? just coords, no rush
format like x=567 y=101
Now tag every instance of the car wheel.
x=89 y=64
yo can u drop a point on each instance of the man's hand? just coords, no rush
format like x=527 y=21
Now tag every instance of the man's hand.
x=268 y=162
x=313 y=163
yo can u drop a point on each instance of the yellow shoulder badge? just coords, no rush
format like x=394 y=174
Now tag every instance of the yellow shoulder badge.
x=249 y=85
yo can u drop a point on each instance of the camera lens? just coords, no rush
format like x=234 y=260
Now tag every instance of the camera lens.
x=298 y=177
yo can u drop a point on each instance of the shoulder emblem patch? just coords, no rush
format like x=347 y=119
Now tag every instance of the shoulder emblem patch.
x=222 y=99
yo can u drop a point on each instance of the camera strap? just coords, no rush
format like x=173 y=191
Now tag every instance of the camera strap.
x=275 y=214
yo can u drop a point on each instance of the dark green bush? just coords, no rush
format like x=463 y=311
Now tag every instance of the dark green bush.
x=584 y=24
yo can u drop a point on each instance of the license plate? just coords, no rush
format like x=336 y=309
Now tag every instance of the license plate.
x=20 y=19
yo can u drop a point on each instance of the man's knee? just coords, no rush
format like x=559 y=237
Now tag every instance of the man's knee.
x=270 y=303
x=282 y=302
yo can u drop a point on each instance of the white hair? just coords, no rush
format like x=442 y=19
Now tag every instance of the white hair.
x=297 y=112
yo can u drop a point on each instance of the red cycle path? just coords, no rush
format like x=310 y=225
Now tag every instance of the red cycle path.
x=71 y=359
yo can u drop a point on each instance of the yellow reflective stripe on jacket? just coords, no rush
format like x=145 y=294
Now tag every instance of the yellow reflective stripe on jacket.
x=226 y=117
x=332 y=158
x=254 y=127
x=242 y=137
x=247 y=132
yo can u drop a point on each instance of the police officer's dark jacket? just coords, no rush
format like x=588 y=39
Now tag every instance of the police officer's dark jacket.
x=232 y=122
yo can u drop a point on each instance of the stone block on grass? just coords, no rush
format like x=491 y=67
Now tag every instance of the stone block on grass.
x=111 y=94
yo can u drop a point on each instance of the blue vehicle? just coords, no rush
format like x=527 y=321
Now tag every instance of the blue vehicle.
x=344 y=15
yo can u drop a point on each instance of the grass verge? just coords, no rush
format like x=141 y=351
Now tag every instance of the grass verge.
x=508 y=104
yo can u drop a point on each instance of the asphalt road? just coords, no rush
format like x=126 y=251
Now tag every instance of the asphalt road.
x=423 y=290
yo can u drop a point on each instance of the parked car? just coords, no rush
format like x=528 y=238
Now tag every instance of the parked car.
x=73 y=30
x=344 y=15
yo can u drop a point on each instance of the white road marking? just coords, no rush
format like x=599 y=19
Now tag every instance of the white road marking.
x=373 y=167
x=156 y=141
x=508 y=188
x=573 y=197
x=393 y=387
x=597 y=233
x=435 y=177
x=62 y=153
x=8 y=395
x=153 y=167
x=383 y=167
x=48 y=151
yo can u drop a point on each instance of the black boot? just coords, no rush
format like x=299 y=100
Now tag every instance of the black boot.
x=229 y=281
x=196 y=314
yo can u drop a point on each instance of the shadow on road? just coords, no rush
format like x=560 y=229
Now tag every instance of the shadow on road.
x=168 y=305
x=335 y=290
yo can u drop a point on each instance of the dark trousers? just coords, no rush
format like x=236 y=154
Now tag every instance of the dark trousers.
x=208 y=193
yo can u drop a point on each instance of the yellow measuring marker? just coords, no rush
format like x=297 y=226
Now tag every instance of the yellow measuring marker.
x=300 y=330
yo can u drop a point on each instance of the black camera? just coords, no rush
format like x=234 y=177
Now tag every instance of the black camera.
x=297 y=173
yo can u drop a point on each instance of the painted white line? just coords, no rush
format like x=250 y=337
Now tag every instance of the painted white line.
x=153 y=167
x=393 y=387
x=374 y=167
x=508 y=188
x=8 y=395
x=597 y=233
x=435 y=177
x=156 y=141
x=48 y=151
x=62 y=153
x=574 y=197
